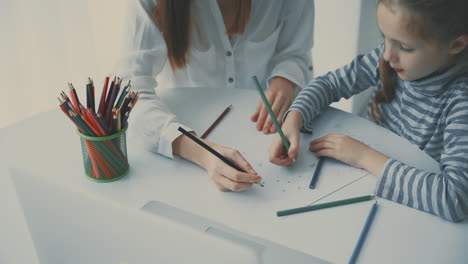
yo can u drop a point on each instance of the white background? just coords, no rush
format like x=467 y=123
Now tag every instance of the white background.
x=47 y=43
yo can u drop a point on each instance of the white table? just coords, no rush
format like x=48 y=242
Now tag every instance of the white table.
x=182 y=192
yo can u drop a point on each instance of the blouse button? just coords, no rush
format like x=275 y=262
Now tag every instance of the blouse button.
x=311 y=68
x=228 y=53
x=231 y=79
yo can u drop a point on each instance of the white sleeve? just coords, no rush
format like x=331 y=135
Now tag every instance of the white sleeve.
x=143 y=58
x=292 y=59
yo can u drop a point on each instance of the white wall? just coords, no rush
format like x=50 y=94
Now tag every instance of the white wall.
x=47 y=43
x=343 y=29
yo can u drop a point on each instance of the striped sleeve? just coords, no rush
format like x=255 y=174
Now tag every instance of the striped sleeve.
x=444 y=194
x=351 y=79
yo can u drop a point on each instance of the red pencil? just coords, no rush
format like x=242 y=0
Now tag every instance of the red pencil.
x=103 y=97
x=215 y=123
x=74 y=97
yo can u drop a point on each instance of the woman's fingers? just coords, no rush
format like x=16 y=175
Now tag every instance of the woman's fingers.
x=280 y=116
x=239 y=160
x=276 y=107
x=226 y=184
x=255 y=116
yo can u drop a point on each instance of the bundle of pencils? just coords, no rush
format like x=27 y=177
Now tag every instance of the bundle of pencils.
x=105 y=157
x=112 y=115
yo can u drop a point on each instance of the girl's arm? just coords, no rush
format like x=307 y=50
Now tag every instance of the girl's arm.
x=351 y=79
x=444 y=194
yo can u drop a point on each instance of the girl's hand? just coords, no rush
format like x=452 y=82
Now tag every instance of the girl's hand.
x=280 y=95
x=291 y=127
x=223 y=175
x=350 y=151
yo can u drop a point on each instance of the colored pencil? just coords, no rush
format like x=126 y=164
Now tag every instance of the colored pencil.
x=215 y=123
x=270 y=111
x=111 y=100
x=74 y=97
x=316 y=172
x=122 y=96
x=363 y=234
x=212 y=151
x=109 y=94
x=324 y=205
x=102 y=102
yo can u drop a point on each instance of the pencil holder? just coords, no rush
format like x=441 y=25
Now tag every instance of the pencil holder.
x=105 y=158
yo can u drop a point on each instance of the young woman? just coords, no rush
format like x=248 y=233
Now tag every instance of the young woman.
x=421 y=79
x=218 y=44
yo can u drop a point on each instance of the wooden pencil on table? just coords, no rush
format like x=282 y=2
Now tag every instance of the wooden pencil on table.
x=318 y=168
x=362 y=236
x=216 y=122
x=324 y=205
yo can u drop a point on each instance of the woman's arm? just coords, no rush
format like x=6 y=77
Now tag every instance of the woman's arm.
x=291 y=63
x=145 y=55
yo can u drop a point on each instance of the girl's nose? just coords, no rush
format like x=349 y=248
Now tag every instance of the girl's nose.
x=389 y=53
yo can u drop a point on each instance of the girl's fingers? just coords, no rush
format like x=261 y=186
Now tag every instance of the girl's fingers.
x=278 y=154
x=326 y=153
x=322 y=145
x=293 y=148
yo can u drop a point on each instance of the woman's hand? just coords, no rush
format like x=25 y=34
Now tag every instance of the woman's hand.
x=224 y=176
x=280 y=95
x=291 y=128
x=350 y=151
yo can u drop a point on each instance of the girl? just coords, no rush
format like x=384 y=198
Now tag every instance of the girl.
x=218 y=44
x=421 y=78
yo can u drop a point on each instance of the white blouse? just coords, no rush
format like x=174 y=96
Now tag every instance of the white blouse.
x=277 y=42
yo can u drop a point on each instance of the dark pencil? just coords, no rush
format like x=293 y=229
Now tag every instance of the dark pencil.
x=215 y=123
x=316 y=172
x=363 y=234
x=102 y=102
x=214 y=152
x=324 y=205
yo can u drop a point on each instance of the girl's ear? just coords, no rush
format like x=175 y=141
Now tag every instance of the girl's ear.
x=459 y=44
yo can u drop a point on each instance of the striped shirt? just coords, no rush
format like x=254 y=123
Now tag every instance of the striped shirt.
x=432 y=113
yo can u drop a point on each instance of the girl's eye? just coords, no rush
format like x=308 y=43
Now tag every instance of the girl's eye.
x=406 y=49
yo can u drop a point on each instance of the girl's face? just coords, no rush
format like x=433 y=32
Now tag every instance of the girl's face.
x=410 y=56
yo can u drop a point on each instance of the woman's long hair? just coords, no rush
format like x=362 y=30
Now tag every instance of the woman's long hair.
x=174 y=19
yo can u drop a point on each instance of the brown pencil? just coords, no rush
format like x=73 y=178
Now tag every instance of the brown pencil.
x=208 y=131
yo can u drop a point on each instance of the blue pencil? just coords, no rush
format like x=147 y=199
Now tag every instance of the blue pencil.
x=363 y=235
x=316 y=173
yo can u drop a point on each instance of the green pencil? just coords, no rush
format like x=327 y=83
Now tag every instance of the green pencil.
x=270 y=111
x=325 y=205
